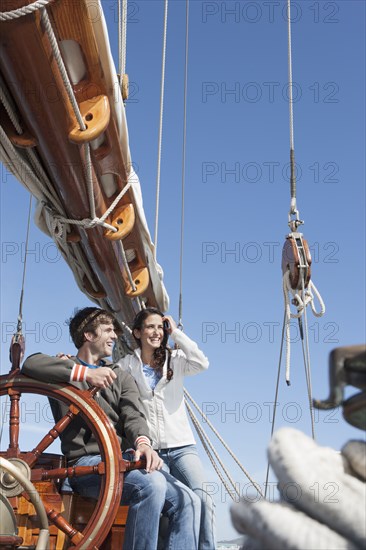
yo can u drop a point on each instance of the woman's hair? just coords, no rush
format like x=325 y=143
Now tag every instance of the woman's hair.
x=88 y=319
x=159 y=354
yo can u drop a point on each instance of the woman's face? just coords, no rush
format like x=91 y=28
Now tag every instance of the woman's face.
x=152 y=333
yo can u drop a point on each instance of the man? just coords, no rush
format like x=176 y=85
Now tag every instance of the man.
x=148 y=493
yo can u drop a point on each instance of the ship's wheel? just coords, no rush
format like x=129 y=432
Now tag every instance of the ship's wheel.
x=81 y=403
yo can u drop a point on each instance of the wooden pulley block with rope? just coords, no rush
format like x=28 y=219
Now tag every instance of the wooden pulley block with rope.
x=296 y=258
x=122 y=219
x=25 y=140
x=141 y=280
x=16 y=351
x=98 y=293
x=73 y=236
x=125 y=87
x=96 y=115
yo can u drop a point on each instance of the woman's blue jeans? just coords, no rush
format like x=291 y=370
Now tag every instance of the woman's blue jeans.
x=185 y=464
x=148 y=496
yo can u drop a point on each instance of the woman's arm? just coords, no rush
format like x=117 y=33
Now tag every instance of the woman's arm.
x=189 y=357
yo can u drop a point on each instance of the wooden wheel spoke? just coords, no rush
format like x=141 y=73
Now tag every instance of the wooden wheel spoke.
x=41 y=474
x=55 y=432
x=14 y=395
x=61 y=523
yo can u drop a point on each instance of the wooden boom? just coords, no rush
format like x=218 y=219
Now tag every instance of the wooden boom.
x=50 y=128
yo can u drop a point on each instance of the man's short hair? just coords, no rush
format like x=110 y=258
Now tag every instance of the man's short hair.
x=88 y=319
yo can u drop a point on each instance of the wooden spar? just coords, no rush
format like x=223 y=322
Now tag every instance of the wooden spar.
x=33 y=78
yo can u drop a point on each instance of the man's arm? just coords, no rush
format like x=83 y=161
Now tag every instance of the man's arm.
x=47 y=368
x=65 y=369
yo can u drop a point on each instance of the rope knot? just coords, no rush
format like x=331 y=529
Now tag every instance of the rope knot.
x=57 y=227
x=89 y=224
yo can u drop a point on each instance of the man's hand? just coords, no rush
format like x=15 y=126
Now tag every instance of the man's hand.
x=153 y=460
x=102 y=377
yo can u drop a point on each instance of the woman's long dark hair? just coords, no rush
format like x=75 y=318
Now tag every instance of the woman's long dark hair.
x=159 y=354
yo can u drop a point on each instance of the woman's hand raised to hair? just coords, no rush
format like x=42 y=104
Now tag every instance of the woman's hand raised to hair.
x=172 y=323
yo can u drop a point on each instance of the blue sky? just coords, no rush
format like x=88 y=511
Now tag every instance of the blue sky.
x=237 y=202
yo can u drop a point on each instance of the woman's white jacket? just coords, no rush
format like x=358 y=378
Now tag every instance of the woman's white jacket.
x=164 y=406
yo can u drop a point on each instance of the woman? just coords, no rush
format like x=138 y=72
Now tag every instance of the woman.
x=159 y=373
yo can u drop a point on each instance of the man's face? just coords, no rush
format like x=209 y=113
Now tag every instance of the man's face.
x=102 y=340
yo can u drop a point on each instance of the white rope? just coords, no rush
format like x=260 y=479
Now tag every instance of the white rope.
x=9 y=107
x=79 y=118
x=22 y=170
x=122 y=38
x=160 y=128
x=42 y=176
x=180 y=307
x=26 y=10
x=20 y=313
x=293 y=207
x=291 y=113
x=275 y=398
x=94 y=220
x=301 y=303
x=60 y=63
x=204 y=417
x=120 y=41
x=207 y=445
x=71 y=251
x=126 y=266
x=307 y=364
x=88 y=223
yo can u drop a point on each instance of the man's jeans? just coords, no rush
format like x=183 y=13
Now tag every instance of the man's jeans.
x=148 y=496
x=185 y=464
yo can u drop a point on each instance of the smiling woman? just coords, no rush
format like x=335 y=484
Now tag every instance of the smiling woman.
x=160 y=375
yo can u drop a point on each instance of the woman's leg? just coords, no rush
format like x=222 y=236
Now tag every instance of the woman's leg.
x=183 y=509
x=185 y=465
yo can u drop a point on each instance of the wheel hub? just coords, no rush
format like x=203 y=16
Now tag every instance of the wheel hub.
x=9 y=486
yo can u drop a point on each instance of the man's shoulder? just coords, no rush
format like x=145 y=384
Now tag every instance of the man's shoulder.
x=124 y=376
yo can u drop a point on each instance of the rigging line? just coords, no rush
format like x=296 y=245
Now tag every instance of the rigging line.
x=122 y=37
x=30 y=154
x=20 y=314
x=293 y=209
x=9 y=106
x=61 y=66
x=125 y=265
x=160 y=127
x=20 y=167
x=26 y=10
x=207 y=446
x=306 y=354
x=205 y=418
x=275 y=399
x=71 y=95
x=180 y=314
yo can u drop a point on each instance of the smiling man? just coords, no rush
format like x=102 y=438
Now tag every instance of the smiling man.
x=148 y=493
